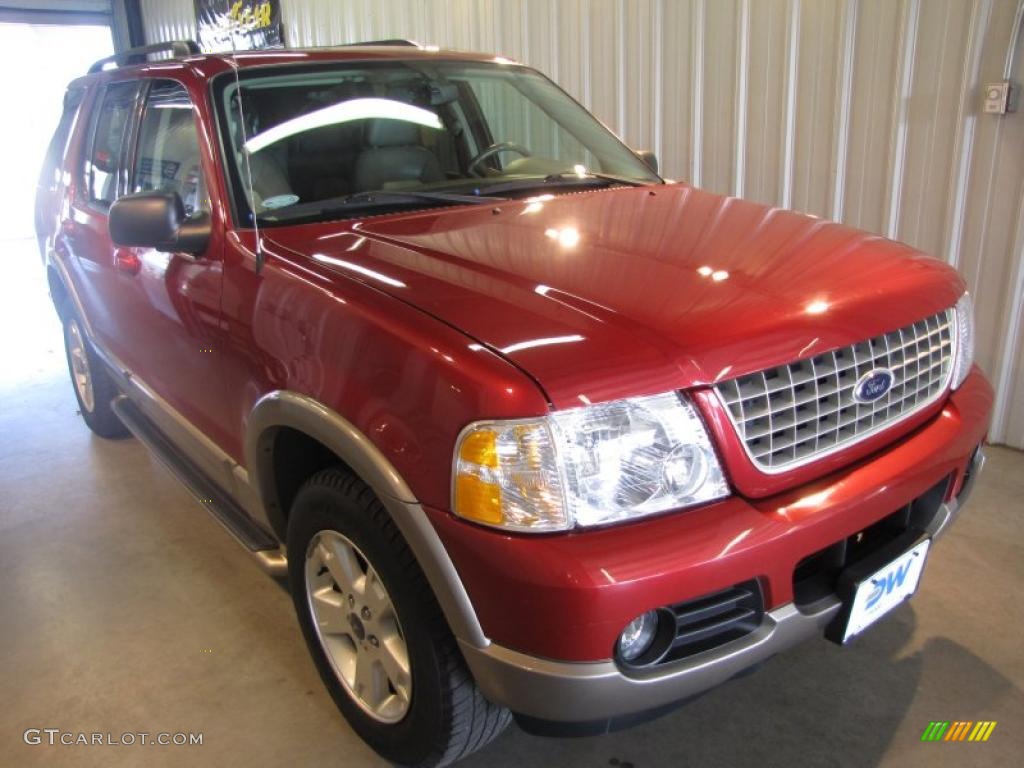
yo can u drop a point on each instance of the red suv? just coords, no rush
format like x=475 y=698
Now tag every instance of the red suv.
x=534 y=432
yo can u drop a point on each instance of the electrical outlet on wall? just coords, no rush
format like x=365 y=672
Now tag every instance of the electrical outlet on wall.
x=1001 y=97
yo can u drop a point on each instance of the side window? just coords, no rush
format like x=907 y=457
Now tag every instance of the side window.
x=168 y=149
x=53 y=164
x=110 y=131
x=57 y=147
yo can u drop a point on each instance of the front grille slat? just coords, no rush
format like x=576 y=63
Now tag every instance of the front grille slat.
x=711 y=607
x=795 y=413
x=715 y=619
x=714 y=628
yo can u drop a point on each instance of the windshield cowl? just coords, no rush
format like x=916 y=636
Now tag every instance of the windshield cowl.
x=367 y=203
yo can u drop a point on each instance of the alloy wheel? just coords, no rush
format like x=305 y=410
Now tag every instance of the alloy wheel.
x=80 y=366
x=358 y=626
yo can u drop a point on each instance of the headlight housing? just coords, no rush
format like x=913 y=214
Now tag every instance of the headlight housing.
x=964 y=313
x=586 y=466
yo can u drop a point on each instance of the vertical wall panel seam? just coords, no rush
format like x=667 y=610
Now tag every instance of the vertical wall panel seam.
x=524 y=41
x=553 y=32
x=902 y=94
x=620 y=70
x=588 y=98
x=848 y=34
x=1012 y=331
x=1012 y=318
x=789 y=130
x=756 y=147
x=963 y=144
x=553 y=44
x=990 y=184
x=815 y=62
x=871 y=53
x=931 y=129
x=742 y=79
x=697 y=91
x=986 y=209
x=1011 y=51
x=657 y=65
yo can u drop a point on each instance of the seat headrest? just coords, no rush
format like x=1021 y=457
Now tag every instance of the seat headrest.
x=329 y=138
x=382 y=132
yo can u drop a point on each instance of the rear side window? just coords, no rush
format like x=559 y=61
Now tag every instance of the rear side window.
x=110 y=132
x=168 y=156
x=50 y=174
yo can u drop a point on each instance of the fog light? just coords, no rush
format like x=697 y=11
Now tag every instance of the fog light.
x=638 y=635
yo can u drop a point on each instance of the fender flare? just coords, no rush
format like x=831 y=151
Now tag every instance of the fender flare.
x=282 y=408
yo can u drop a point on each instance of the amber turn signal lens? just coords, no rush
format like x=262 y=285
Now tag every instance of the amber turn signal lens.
x=506 y=476
x=480 y=448
x=478 y=500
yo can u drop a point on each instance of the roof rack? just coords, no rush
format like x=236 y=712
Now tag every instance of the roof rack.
x=178 y=49
x=393 y=41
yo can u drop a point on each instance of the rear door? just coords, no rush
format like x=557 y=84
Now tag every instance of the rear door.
x=85 y=231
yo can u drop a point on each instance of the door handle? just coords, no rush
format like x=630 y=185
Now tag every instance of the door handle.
x=127 y=261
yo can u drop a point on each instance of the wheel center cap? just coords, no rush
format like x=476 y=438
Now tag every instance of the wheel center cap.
x=357 y=626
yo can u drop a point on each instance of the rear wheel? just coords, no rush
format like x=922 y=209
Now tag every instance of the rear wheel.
x=376 y=632
x=94 y=389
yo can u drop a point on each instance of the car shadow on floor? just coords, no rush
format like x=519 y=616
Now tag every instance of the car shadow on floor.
x=816 y=705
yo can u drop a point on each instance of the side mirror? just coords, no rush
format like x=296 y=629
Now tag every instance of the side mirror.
x=158 y=220
x=649 y=158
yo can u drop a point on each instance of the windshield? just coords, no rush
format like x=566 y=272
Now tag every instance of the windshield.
x=327 y=142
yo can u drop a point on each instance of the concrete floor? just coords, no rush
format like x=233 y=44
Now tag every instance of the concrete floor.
x=126 y=608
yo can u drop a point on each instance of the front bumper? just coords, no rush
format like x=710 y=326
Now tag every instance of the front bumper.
x=553 y=606
x=598 y=692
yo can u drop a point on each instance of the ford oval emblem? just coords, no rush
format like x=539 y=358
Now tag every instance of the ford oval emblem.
x=873 y=385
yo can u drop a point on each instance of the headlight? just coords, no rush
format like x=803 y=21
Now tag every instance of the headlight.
x=586 y=466
x=964 y=339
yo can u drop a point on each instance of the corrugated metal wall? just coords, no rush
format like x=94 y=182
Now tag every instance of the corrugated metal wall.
x=865 y=111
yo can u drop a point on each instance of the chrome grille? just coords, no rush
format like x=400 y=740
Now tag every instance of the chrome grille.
x=795 y=413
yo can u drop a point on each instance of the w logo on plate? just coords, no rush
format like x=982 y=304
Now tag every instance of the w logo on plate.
x=887 y=583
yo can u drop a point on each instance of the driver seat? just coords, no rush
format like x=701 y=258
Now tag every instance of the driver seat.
x=394 y=155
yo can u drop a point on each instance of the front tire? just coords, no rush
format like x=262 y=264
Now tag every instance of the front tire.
x=94 y=388
x=376 y=632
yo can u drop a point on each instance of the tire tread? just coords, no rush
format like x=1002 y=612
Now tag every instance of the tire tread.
x=101 y=420
x=472 y=721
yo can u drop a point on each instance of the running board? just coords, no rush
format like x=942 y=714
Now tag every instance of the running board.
x=264 y=548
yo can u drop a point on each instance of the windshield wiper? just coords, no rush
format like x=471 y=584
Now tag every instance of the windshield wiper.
x=564 y=179
x=369 y=200
x=609 y=177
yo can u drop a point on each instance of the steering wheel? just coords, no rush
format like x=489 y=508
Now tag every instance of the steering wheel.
x=495 y=149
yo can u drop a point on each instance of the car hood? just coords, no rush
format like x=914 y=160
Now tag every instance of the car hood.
x=620 y=292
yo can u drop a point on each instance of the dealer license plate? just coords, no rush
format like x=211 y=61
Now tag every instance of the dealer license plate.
x=885 y=589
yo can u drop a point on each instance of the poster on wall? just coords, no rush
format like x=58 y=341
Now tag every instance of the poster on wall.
x=238 y=25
